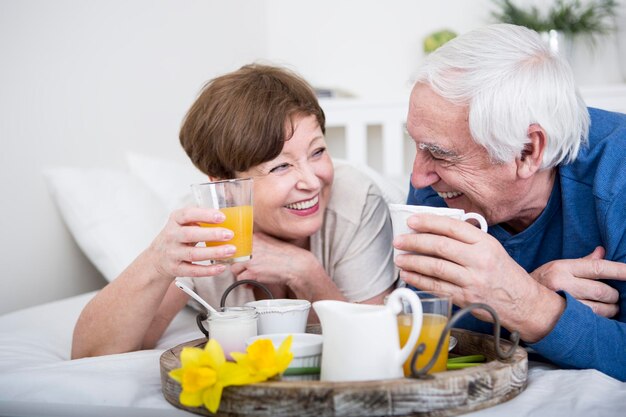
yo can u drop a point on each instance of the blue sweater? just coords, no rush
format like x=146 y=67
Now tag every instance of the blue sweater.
x=587 y=208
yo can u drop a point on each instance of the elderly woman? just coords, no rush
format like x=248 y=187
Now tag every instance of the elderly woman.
x=319 y=232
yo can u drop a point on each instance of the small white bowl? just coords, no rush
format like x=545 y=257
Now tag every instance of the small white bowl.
x=281 y=315
x=307 y=353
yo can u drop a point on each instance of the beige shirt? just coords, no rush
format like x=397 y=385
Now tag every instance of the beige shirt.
x=354 y=244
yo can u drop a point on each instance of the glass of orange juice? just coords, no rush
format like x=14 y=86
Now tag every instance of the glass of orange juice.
x=234 y=199
x=436 y=307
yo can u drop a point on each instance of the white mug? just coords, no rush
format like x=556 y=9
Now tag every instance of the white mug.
x=361 y=341
x=400 y=213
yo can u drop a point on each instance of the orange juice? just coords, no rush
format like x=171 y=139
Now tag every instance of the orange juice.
x=239 y=220
x=432 y=327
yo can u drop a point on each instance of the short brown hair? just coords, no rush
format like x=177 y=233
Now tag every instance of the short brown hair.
x=241 y=119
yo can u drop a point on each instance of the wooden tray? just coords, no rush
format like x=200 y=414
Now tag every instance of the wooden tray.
x=447 y=394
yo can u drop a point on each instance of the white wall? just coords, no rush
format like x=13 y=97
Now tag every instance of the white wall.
x=371 y=47
x=367 y=47
x=82 y=81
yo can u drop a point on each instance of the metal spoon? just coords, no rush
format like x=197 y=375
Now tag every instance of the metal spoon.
x=195 y=296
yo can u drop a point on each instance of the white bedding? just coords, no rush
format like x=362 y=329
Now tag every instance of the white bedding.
x=38 y=379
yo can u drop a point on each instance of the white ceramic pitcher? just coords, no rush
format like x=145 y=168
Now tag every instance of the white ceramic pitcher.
x=361 y=341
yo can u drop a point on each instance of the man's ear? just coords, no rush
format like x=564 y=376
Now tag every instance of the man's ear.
x=531 y=157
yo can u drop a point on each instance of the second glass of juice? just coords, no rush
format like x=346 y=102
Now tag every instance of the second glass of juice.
x=234 y=199
x=436 y=307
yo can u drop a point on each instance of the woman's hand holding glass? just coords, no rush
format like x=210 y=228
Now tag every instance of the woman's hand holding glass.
x=175 y=251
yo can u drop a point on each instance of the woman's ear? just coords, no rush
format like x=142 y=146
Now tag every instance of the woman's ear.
x=531 y=157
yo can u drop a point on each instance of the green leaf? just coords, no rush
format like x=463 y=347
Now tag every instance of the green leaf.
x=466 y=359
x=302 y=371
x=452 y=366
x=568 y=16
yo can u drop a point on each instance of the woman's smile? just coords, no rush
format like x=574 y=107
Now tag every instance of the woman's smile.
x=304 y=207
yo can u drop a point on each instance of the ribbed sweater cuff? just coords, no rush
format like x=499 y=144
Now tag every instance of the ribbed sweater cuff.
x=560 y=344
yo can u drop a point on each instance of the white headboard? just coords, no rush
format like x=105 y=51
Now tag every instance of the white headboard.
x=349 y=124
x=355 y=116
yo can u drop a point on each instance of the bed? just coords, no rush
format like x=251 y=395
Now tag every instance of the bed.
x=38 y=379
x=114 y=213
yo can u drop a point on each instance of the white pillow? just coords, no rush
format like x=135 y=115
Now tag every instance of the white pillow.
x=112 y=215
x=169 y=180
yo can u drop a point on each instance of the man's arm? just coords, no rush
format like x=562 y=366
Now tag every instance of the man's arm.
x=471 y=265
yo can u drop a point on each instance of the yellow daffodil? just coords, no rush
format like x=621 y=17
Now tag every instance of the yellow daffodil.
x=204 y=374
x=263 y=361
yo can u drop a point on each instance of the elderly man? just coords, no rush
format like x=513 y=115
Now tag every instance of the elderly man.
x=501 y=130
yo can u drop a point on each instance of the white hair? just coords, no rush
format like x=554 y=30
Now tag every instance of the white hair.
x=510 y=79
